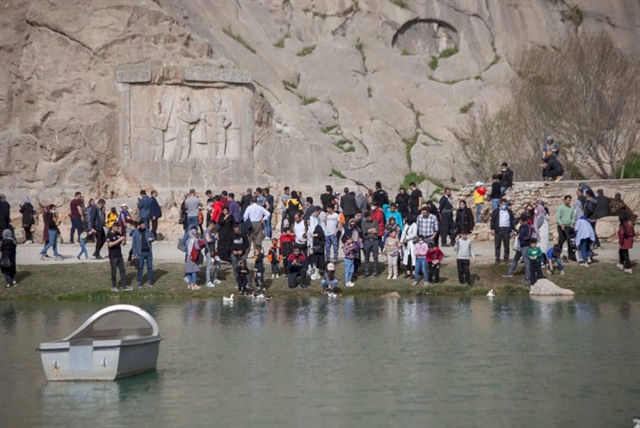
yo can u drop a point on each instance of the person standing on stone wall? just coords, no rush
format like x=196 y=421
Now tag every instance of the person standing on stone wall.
x=446 y=214
x=28 y=219
x=271 y=206
x=496 y=193
x=97 y=226
x=257 y=215
x=506 y=178
x=156 y=213
x=192 y=205
x=77 y=216
x=415 y=200
x=479 y=191
x=144 y=209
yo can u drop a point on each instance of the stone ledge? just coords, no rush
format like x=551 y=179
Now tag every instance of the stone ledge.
x=133 y=73
x=210 y=74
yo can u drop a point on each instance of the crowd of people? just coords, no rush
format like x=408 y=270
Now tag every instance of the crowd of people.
x=305 y=237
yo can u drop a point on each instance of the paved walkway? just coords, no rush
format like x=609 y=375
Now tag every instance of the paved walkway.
x=166 y=251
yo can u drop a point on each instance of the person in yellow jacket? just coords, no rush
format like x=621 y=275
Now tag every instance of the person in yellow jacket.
x=112 y=217
x=479 y=192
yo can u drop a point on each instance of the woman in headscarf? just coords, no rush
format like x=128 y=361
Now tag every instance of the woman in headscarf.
x=191 y=269
x=28 y=219
x=464 y=219
x=316 y=259
x=8 y=249
x=225 y=230
x=584 y=237
x=541 y=226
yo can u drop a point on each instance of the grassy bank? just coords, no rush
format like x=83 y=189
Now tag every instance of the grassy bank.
x=91 y=282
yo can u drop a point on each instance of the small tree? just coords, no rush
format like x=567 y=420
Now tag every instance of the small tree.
x=488 y=140
x=586 y=93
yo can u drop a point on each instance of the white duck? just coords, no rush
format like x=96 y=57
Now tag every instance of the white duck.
x=331 y=295
x=226 y=299
x=491 y=293
x=259 y=297
x=636 y=422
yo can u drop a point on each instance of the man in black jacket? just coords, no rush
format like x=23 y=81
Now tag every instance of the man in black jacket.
x=506 y=178
x=327 y=198
x=590 y=209
x=239 y=247
x=552 y=168
x=446 y=218
x=156 y=213
x=348 y=204
x=602 y=208
x=97 y=226
x=502 y=222
x=380 y=197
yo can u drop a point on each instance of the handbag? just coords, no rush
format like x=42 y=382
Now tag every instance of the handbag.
x=5 y=262
x=182 y=246
x=317 y=249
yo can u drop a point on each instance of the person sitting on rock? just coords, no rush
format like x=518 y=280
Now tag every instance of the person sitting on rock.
x=551 y=167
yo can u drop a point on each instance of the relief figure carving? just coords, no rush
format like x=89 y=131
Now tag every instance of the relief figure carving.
x=222 y=122
x=186 y=124
x=159 y=124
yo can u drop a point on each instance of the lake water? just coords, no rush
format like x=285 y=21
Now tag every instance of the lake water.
x=351 y=362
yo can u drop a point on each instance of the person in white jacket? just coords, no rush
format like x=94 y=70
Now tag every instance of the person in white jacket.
x=409 y=236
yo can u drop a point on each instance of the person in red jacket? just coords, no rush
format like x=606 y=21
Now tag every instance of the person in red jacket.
x=216 y=208
x=378 y=216
x=625 y=239
x=434 y=257
x=287 y=241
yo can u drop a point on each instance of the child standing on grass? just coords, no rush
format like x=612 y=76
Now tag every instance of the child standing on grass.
x=274 y=256
x=554 y=255
x=258 y=269
x=83 y=245
x=349 y=248
x=534 y=253
x=330 y=281
x=434 y=257
x=392 y=248
x=420 y=249
x=625 y=241
x=464 y=257
x=242 y=273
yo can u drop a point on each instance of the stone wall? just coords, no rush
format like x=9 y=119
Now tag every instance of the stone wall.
x=552 y=195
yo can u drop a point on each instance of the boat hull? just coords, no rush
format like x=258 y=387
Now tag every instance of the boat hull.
x=99 y=360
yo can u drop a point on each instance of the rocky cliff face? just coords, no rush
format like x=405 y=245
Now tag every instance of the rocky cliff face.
x=336 y=91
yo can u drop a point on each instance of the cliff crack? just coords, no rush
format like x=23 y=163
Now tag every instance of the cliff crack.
x=60 y=33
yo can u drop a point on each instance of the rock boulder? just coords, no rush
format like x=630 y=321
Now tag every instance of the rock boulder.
x=544 y=287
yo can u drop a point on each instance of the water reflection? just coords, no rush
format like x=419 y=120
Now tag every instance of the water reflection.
x=452 y=361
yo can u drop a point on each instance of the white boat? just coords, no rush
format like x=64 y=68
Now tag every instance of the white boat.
x=115 y=342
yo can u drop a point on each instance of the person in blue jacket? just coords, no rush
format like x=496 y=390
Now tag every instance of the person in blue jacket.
x=142 y=249
x=144 y=206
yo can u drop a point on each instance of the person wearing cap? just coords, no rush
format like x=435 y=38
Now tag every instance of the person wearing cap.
x=479 y=192
x=330 y=281
x=124 y=218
